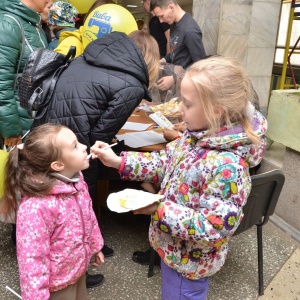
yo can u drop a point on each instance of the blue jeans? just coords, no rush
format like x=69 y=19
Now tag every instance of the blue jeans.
x=177 y=287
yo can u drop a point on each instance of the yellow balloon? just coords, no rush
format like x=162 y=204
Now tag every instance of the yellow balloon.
x=105 y=19
x=82 y=6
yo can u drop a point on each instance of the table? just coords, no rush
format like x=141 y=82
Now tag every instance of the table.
x=138 y=116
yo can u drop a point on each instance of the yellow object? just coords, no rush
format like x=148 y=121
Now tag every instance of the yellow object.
x=3 y=161
x=82 y=5
x=70 y=38
x=105 y=19
x=123 y=202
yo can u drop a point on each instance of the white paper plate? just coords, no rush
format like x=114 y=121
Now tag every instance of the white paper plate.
x=130 y=199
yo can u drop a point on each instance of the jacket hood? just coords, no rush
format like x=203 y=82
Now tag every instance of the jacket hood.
x=235 y=140
x=19 y=9
x=77 y=33
x=116 y=51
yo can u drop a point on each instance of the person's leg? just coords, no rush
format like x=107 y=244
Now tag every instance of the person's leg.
x=81 y=292
x=76 y=291
x=177 y=287
x=13 y=234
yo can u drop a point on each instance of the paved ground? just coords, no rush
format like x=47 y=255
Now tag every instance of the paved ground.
x=125 y=279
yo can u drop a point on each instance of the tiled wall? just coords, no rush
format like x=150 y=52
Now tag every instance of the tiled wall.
x=244 y=29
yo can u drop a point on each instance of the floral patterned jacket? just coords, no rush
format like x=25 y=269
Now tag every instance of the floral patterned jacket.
x=205 y=180
x=56 y=238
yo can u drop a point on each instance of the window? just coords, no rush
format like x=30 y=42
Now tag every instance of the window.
x=282 y=34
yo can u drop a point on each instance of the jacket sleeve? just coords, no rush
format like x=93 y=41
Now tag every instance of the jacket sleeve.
x=33 y=250
x=10 y=124
x=119 y=109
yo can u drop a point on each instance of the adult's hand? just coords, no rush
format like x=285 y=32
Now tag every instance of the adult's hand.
x=165 y=83
x=13 y=141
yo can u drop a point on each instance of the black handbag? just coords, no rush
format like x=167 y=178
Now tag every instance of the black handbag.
x=41 y=72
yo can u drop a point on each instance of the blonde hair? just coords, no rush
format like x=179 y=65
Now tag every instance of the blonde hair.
x=223 y=84
x=149 y=49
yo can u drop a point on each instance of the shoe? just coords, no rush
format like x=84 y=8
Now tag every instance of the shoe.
x=107 y=252
x=93 y=280
x=143 y=258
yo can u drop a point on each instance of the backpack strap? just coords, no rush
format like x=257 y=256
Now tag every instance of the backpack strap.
x=71 y=54
x=24 y=40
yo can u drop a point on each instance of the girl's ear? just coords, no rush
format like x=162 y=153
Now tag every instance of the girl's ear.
x=57 y=166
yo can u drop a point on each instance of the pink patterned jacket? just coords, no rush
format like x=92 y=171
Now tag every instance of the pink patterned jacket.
x=56 y=238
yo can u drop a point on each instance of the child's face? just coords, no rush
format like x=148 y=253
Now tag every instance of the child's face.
x=191 y=107
x=73 y=153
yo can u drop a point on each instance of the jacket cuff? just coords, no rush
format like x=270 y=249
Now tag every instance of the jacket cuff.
x=122 y=166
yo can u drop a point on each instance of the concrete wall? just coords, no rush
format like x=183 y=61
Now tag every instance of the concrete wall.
x=246 y=30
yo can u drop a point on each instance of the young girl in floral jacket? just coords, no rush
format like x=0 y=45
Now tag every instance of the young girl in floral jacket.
x=57 y=230
x=204 y=175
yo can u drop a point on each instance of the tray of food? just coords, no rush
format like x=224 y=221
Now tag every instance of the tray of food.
x=168 y=109
x=131 y=199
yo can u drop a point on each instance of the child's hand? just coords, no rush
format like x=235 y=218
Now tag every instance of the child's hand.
x=147 y=210
x=99 y=259
x=107 y=157
x=180 y=126
x=170 y=134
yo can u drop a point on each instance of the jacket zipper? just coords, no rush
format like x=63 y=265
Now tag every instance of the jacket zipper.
x=84 y=233
x=38 y=31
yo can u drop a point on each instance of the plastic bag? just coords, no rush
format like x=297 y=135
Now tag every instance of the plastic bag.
x=160 y=96
x=3 y=161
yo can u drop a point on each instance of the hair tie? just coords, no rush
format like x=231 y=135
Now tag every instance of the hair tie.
x=20 y=146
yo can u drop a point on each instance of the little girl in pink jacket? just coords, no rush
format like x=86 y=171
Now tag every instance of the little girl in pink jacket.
x=57 y=230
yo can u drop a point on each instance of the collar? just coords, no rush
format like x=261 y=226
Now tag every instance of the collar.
x=65 y=179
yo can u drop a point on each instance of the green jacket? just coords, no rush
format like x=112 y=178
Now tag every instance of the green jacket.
x=13 y=118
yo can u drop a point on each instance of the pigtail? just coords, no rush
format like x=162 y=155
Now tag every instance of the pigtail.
x=28 y=169
x=247 y=126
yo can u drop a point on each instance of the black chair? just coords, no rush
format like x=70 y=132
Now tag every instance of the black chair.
x=261 y=203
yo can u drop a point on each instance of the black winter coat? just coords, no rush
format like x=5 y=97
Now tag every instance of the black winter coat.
x=97 y=93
